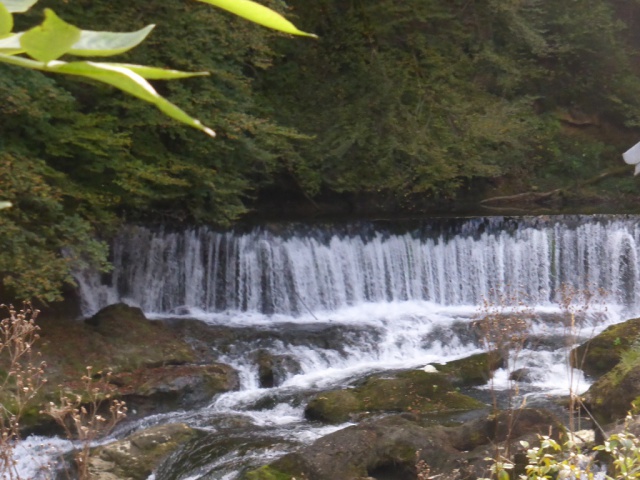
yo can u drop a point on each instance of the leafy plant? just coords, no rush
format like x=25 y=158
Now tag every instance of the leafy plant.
x=551 y=460
x=41 y=47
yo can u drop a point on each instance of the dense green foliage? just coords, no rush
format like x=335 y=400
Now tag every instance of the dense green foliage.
x=402 y=100
x=423 y=96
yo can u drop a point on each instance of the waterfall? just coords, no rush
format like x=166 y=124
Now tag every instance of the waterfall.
x=297 y=269
x=334 y=304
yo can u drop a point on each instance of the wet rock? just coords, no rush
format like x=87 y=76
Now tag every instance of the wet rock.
x=135 y=457
x=195 y=458
x=615 y=393
x=473 y=370
x=602 y=353
x=124 y=336
x=175 y=387
x=458 y=331
x=118 y=338
x=397 y=447
x=414 y=391
x=211 y=340
x=546 y=342
x=275 y=369
x=521 y=375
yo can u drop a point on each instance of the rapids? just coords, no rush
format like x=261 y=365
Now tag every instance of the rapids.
x=344 y=301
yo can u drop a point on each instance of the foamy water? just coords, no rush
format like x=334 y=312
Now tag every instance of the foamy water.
x=343 y=303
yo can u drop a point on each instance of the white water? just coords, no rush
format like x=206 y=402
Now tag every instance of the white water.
x=384 y=301
x=297 y=271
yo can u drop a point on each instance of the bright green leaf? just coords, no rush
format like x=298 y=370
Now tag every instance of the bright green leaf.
x=18 y=6
x=154 y=73
x=258 y=14
x=503 y=475
x=50 y=40
x=6 y=21
x=4 y=205
x=119 y=76
x=129 y=82
x=103 y=44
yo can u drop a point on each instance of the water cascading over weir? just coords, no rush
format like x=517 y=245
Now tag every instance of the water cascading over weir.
x=292 y=269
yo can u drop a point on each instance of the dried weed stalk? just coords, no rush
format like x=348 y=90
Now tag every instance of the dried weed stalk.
x=88 y=416
x=21 y=378
x=576 y=305
x=504 y=327
x=85 y=417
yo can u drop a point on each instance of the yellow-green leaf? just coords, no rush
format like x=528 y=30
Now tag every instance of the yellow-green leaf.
x=6 y=21
x=155 y=73
x=116 y=75
x=258 y=14
x=129 y=82
x=4 y=205
x=51 y=39
x=103 y=44
x=18 y=6
x=503 y=474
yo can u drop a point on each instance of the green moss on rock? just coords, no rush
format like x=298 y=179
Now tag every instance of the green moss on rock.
x=267 y=473
x=136 y=456
x=334 y=407
x=614 y=394
x=603 y=352
x=415 y=391
x=473 y=370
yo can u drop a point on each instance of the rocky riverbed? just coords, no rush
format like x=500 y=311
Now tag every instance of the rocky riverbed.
x=387 y=425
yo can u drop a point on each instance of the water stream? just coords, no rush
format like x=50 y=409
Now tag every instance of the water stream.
x=340 y=302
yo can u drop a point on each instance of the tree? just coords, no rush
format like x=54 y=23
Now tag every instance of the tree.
x=70 y=164
x=425 y=99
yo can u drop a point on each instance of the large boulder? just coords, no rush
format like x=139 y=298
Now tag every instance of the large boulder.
x=400 y=447
x=117 y=338
x=132 y=341
x=153 y=368
x=136 y=456
x=173 y=387
x=603 y=352
x=274 y=369
x=472 y=370
x=413 y=391
x=613 y=395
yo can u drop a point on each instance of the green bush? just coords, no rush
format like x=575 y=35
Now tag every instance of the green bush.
x=620 y=459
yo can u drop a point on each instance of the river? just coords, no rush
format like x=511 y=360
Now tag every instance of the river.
x=342 y=301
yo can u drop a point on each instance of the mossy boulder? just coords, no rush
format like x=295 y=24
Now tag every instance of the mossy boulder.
x=473 y=370
x=127 y=336
x=152 y=366
x=615 y=393
x=172 y=387
x=136 y=456
x=391 y=447
x=274 y=369
x=388 y=445
x=414 y=391
x=117 y=338
x=600 y=354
